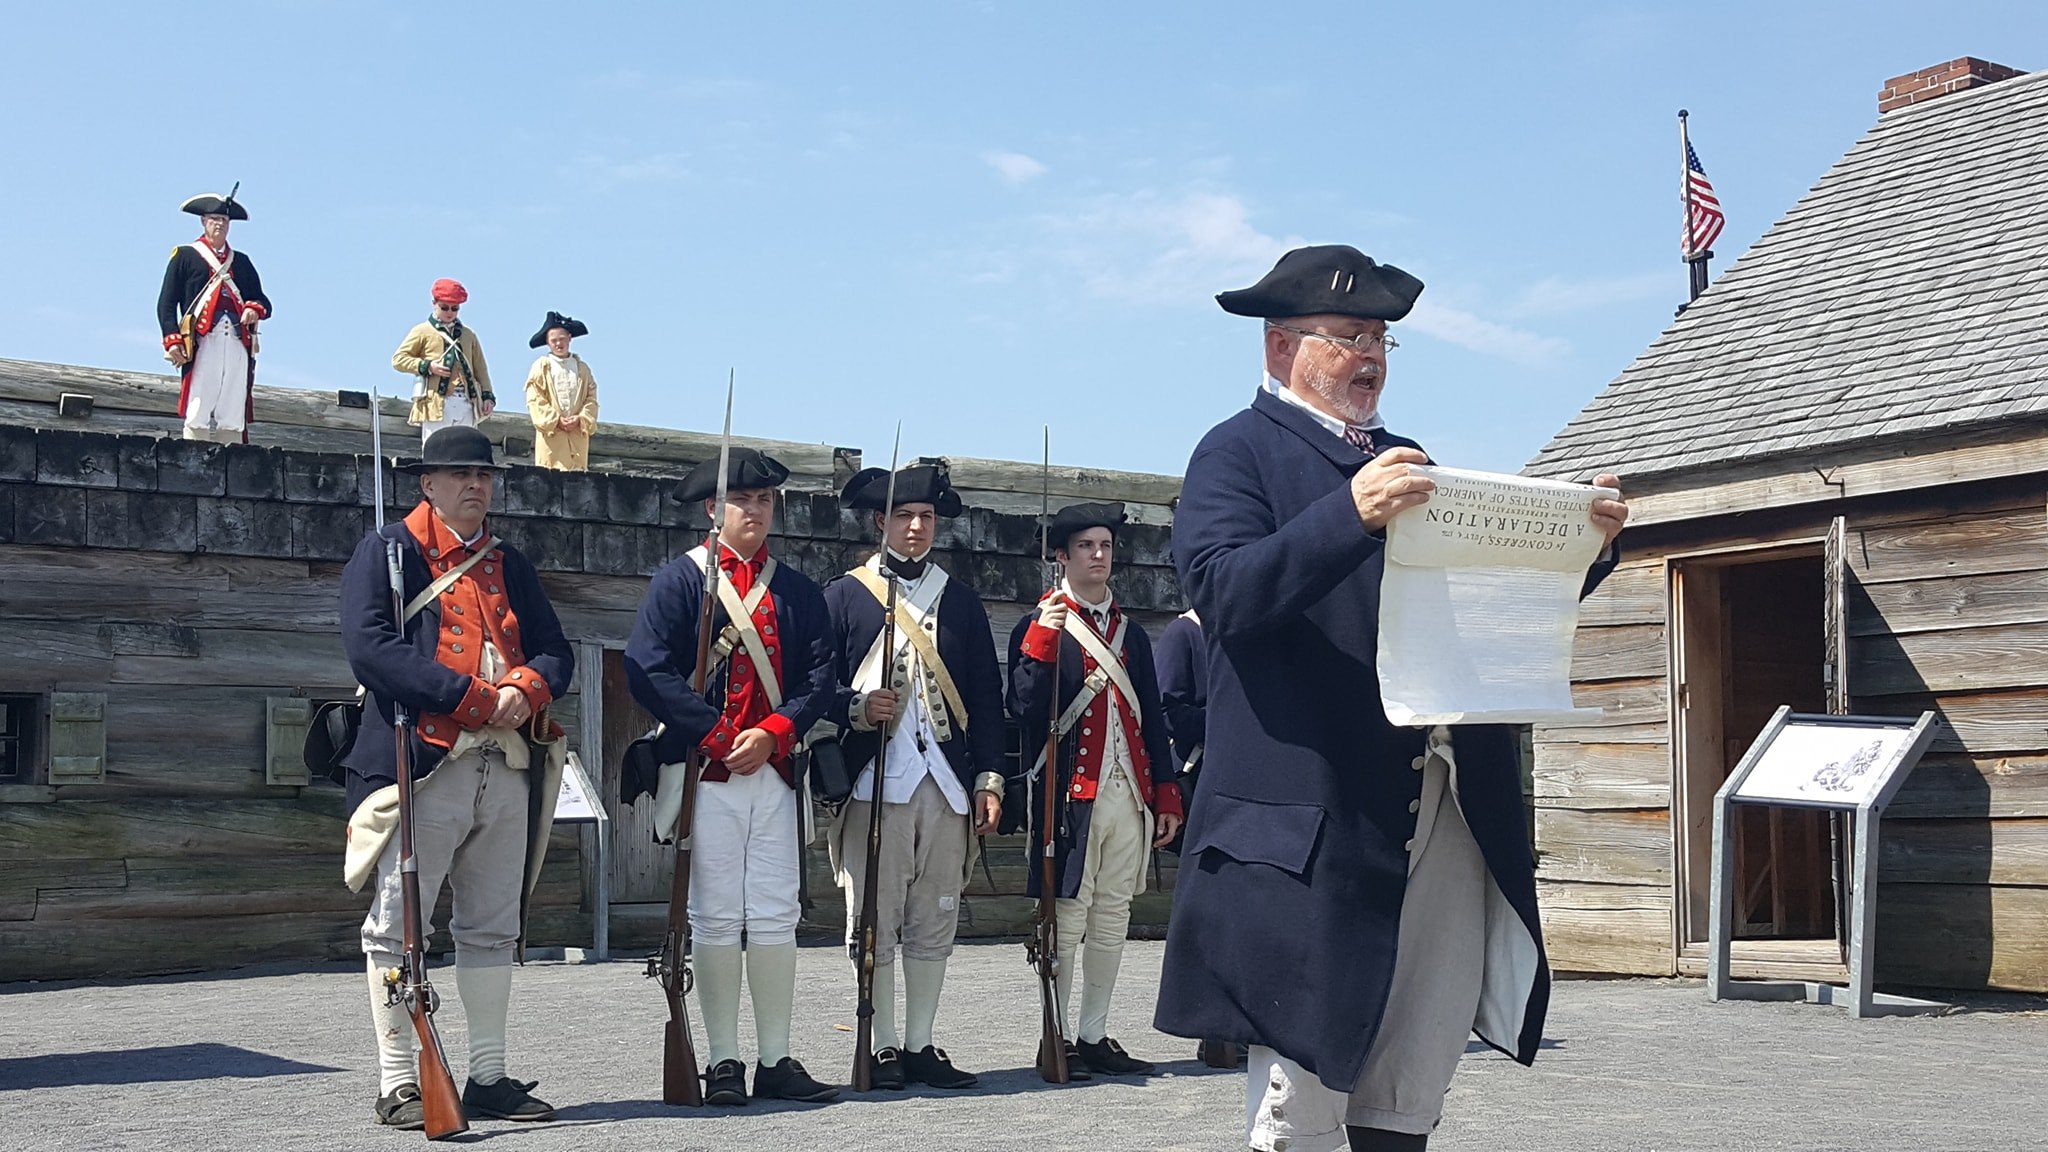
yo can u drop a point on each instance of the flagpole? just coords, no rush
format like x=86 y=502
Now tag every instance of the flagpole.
x=1696 y=262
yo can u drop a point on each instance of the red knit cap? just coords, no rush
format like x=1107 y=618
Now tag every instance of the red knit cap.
x=449 y=292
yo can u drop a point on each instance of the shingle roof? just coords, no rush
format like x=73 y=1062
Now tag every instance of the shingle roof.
x=1907 y=292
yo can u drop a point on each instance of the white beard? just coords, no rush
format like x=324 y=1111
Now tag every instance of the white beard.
x=1336 y=393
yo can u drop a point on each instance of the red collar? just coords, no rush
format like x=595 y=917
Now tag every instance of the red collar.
x=729 y=559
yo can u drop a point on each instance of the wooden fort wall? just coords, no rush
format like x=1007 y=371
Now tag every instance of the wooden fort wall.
x=1947 y=608
x=171 y=607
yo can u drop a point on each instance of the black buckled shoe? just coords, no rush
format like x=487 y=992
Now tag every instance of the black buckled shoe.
x=505 y=1099
x=932 y=1066
x=886 y=1073
x=1109 y=1058
x=401 y=1108
x=726 y=1083
x=1077 y=1068
x=787 y=1080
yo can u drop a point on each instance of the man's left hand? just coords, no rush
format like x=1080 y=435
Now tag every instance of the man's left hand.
x=750 y=751
x=1169 y=827
x=988 y=809
x=1609 y=515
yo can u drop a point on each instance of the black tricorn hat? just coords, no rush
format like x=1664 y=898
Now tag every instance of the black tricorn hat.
x=456 y=446
x=569 y=324
x=1077 y=518
x=1327 y=279
x=750 y=468
x=214 y=204
x=918 y=484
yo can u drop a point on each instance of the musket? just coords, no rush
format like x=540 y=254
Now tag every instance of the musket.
x=408 y=985
x=1043 y=947
x=864 y=942
x=377 y=457
x=680 y=1082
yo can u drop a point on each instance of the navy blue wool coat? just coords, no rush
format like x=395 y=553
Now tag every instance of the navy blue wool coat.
x=965 y=643
x=1183 y=660
x=1031 y=706
x=1287 y=908
x=661 y=659
x=402 y=667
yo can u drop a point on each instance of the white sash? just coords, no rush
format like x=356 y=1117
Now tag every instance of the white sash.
x=1109 y=656
x=740 y=626
x=223 y=278
x=914 y=607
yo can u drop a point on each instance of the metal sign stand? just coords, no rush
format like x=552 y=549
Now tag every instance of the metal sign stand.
x=1859 y=997
x=579 y=805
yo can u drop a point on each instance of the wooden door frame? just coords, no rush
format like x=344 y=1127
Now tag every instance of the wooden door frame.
x=1680 y=636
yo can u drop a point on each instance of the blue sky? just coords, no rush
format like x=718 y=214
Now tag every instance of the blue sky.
x=975 y=217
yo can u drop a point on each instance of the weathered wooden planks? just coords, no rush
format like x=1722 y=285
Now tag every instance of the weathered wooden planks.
x=1978 y=723
x=1609 y=846
x=1951 y=546
x=1624 y=929
x=1939 y=603
x=166 y=826
x=1633 y=712
x=1963 y=936
x=1573 y=775
x=1634 y=593
x=1951 y=660
x=1955 y=851
x=1619 y=652
x=1952 y=784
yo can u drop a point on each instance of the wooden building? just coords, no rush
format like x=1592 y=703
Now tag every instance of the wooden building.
x=1837 y=460
x=168 y=616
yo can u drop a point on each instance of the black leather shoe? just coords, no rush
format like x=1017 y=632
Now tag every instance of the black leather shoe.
x=1220 y=1054
x=932 y=1066
x=505 y=1099
x=726 y=1083
x=401 y=1108
x=1109 y=1058
x=1077 y=1068
x=886 y=1073
x=787 y=1080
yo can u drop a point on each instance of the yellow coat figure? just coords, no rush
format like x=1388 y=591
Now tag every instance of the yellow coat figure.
x=554 y=389
x=424 y=347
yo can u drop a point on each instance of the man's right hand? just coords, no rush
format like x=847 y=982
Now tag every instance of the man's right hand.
x=1384 y=488
x=441 y=370
x=178 y=356
x=881 y=707
x=1052 y=612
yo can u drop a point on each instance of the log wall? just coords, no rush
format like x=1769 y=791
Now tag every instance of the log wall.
x=189 y=588
x=1947 y=609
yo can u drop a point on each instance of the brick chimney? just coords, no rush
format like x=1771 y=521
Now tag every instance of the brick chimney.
x=1940 y=80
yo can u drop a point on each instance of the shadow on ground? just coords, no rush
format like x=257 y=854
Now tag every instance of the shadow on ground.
x=166 y=1064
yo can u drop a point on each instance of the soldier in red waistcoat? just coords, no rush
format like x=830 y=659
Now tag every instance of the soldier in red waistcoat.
x=208 y=308
x=1116 y=771
x=770 y=682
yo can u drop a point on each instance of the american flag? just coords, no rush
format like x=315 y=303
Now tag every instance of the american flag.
x=1704 y=219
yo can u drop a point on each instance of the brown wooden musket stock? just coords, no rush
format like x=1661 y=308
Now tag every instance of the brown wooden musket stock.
x=1043 y=949
x=866 y=930
x=408 y=984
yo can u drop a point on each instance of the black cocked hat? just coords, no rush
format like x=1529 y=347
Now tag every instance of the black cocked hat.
x=569 y=324
x=1327 y=279
x=917 y=484
x=214 y=204
x=749 y=468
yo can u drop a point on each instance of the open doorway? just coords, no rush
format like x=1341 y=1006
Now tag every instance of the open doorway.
x=1750 y=636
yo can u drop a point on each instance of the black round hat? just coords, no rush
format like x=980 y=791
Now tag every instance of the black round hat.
x=918 y=484
x=1327 y=279
x=456 y=446
x=556 y=320
x=749 y=468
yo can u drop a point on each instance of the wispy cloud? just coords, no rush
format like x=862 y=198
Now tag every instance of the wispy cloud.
x=1155 y=247
x=604 y=173
x=1561 y=296
x=1487 y=337
x=1014 y=167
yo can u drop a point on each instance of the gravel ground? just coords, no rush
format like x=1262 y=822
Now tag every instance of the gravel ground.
x=282 y=1059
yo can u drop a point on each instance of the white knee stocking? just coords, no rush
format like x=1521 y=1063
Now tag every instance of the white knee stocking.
x=1098 y=982
x=922 y=982
x=717 y=971
x=394 y=1027
x=885 y=1006
x=486 y=992
x=771 y=984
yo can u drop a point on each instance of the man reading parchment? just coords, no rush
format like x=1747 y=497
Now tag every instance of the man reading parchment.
x=1354 y=898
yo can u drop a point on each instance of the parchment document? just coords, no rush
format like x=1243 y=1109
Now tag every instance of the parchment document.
x=1480 y=598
